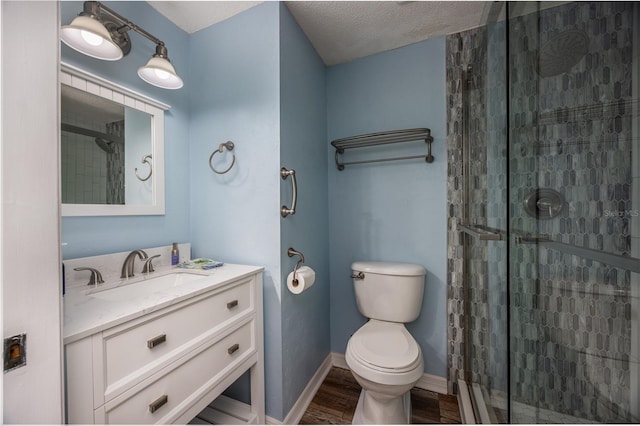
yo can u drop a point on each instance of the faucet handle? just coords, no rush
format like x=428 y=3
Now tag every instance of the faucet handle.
x=148 y=266
x=95 y=278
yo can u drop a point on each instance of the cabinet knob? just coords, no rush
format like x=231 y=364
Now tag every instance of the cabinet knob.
x=155 y=405
x=233 y=348
x=152 y=343
x=232 y=304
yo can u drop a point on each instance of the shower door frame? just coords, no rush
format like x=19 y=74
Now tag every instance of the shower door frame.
x=473 y=233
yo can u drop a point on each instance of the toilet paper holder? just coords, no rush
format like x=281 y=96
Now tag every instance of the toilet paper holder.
x=292 y=252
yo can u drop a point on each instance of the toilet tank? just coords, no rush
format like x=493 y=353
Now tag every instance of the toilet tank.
x=389 y=291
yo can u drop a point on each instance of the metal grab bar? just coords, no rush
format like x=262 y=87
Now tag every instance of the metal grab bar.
x=616 y=260
x=284 y=211
x=480 y=233
x=145 y=160
x=374 y=161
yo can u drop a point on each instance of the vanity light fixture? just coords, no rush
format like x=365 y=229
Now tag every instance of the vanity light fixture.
x=159 y=70
x=87 y=34
x=101 y=33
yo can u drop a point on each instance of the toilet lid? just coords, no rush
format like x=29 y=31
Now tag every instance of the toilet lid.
x=385 y=346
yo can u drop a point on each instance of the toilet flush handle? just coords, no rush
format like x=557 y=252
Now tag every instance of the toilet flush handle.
x=358 y=276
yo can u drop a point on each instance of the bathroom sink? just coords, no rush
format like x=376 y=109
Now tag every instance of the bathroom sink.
x=147 y=286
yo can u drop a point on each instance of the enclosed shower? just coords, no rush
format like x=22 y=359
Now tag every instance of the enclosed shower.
x=544 y=213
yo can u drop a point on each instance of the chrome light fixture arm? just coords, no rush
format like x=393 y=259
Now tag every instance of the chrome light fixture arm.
x=125 y=24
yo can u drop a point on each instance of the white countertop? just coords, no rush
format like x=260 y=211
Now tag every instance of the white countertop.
x=85 y=315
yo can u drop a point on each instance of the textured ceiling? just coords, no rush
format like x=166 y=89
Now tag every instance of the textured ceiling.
x=342 y=31
x=345 y=30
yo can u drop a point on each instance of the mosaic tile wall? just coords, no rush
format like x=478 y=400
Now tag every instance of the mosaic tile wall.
x=571 y=132
x=466 y=68
x=115 y=164
x=476 y=70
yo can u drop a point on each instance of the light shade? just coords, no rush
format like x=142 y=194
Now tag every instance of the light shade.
x=161 y=73
x=87 y=35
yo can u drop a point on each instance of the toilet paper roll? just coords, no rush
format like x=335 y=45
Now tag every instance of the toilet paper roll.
x=305 y=277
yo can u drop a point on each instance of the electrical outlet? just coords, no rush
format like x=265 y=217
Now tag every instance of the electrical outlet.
x=15 y=352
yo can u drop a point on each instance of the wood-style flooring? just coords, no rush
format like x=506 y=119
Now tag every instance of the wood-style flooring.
x=336 y=400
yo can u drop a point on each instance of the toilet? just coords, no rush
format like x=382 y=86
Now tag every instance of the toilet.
x=383 y=356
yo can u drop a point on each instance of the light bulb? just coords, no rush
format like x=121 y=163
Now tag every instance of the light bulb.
x=91 y=38
x=162 y=74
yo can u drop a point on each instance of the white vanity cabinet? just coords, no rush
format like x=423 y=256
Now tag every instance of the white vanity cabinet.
x=166 y=365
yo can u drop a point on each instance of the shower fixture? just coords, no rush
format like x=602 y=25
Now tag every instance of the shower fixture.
x=561 y=52
x=544 y=203
x=101 y=33
x=105 y=145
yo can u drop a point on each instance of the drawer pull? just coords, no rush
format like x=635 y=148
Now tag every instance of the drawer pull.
x=232 y=304
x=155 y=405
x=233 y=348
x=156 y=341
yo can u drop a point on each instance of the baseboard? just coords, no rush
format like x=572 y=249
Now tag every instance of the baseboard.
x=226 y=411
x=271 y=421
x=428 y=382
x=299 y=408
x=433 y=383
x=339 y=361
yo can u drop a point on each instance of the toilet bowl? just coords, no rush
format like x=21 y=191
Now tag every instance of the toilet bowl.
x=383 y=356
x=387 y=362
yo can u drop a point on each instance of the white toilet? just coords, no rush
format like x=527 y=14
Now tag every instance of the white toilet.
x=383 y=356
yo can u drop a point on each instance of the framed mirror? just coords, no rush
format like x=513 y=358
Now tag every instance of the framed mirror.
x=112 y=148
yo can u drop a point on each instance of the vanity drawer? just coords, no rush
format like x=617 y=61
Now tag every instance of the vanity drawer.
x=138 y=349
x=163 y=397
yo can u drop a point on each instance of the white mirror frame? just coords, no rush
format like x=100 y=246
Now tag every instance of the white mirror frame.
x=82 y=80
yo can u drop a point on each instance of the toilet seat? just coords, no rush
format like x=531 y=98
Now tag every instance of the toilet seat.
x=385 y=352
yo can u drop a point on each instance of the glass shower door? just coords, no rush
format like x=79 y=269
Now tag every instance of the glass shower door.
x=484 y=221
x=574 y=210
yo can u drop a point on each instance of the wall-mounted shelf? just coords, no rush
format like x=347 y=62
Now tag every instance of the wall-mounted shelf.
x=383 y=138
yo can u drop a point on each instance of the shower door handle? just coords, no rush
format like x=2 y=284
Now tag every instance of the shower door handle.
x=612 y=259
x=284 y=211
x=481 y=234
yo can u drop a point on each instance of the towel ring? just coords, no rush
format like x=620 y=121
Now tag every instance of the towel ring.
x=229 y=145
x=145 y=160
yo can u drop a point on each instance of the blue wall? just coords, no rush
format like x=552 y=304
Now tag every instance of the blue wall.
x=89 y=236
x=305 y=317
x=390 y=211
x=261 y=85
x=235 y=217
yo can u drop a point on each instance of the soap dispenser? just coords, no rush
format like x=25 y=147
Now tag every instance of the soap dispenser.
x=175 y=255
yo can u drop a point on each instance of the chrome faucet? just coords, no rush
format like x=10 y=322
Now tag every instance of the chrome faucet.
x=127 y=266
